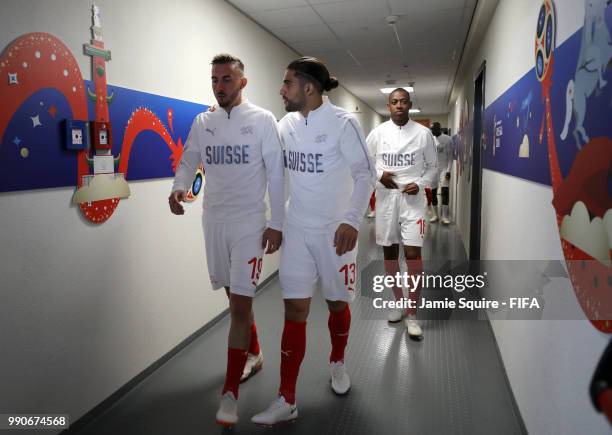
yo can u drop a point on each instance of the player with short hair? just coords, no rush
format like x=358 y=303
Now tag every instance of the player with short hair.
x=406 y=163
x=240 y=150
x=445 y=160
x=331 y=177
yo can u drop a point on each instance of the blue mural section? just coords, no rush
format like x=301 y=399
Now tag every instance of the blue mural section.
x=33 y=155
x=515 y=140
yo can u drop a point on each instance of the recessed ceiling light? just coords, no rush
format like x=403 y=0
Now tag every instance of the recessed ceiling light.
x=389 y=90
x=414 y=111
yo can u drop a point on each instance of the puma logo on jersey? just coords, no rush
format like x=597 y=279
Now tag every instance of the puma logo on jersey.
x=321 y=138
x=211 y=131
x=248 y=129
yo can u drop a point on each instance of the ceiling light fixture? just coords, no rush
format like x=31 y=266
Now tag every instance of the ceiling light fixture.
x=414 y=111
x=389 y=90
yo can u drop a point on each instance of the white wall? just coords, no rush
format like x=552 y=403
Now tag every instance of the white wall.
x=86 y=308
x=549 y=363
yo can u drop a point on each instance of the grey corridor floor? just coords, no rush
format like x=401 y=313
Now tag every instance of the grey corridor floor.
x=451 y=382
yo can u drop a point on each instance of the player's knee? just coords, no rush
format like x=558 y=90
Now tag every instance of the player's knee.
x=297 y=310
x=336 y=306
x=412 y=252
x=391 y=252
x=240 y=307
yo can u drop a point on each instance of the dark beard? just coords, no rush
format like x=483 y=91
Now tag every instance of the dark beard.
x=295 y=106
x=229 y=100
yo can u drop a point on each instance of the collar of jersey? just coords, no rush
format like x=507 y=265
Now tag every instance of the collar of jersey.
x=314 y=114
x=401 y=127
x=236 y=109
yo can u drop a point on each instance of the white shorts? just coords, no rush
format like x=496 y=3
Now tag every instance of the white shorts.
x=400 y=218
x=308 y=259
x=234 y=254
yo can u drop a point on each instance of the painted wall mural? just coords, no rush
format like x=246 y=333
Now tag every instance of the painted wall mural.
x=554 y=127
x=43 y=87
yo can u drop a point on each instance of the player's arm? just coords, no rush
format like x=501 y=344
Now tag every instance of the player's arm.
x=430 y=163
x=186 y=169
x=355 y=153
x=385 y=177
x=273 y=161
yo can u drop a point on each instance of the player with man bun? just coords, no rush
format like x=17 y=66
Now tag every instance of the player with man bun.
x=331 y=177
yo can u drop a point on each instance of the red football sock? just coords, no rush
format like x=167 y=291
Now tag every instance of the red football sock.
x=391 y=269
x=373 y=201
x=293 y=348
x=339 y=324
x=236 y=358
x=254 y=346
x=415 y=267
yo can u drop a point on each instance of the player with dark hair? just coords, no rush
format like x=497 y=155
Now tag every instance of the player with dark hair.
x=331 y=177
x=445 y=159
x=240 y=150
x=406 y=163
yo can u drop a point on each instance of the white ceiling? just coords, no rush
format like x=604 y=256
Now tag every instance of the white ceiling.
x=362 y=50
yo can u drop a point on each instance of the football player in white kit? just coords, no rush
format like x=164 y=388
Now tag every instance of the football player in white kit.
x=406 y=163
x=240 y=150
x=331 y=177
x=445 y=160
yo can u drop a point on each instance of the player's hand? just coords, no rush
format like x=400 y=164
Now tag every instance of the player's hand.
x=271 y=238
x=387 y=180
x=447 y=176
x=411 y=189
x=175 y=200
x=345 y=239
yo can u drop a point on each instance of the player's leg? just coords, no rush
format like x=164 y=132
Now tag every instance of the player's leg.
x=339 y=324
x=247 y=262
x=445 y=213
x=412 y=222
x=388 y=236
x=237 y=350
x=298 y=277
x=434 y=205
x=243 y=241
x=414 y=265
x=254 y=362
x=338 y=278
x=218 y=262
x=392 y=268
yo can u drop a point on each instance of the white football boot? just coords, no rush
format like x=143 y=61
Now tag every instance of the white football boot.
x=227 y=415
x=253 y=364
x=434 y=213
x=340 y=381
x=414 y=328
x=445 y=220
x=395 y=315
x=279 y=411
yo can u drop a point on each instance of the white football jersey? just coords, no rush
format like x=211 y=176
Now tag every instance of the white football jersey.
x=445 y=152
x=331 y=175
x=241 y=155
x=408 y=151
